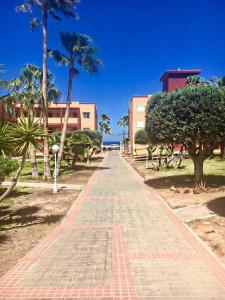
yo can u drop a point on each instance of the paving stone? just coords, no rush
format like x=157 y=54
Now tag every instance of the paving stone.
x=118 y=242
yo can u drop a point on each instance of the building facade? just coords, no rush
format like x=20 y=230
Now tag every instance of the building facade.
x=83 y=116
x=136 y=112
x=176 y=79
x=7 y=114
x=171 y=80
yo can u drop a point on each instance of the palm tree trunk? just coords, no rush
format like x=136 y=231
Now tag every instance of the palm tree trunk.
x=14 y=180
x=47 y=172
x=33 y=160
x=66 y=118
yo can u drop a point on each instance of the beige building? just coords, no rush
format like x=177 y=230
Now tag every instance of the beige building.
x=136 y=113
x=83 y=116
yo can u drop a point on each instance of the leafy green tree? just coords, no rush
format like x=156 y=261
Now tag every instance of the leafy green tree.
x=79 y=54
x=195 y=80
x=23 y=135
x=79 y=143
x=193 y=117
x=124 y=122
x=141 y=137
x=44 y=9
x=7 y=166
x=96 y=139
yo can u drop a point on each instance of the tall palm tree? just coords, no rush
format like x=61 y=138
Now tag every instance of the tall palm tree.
x=55 y=9
x=104 y=124
x=124 y=122
x=79 y=54
x=25 y=134
x=26 y=91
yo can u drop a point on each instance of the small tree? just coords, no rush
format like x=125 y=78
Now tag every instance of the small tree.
x=142 y=138
x=78 y=144
x=95 y=137
x=124 y=122
x=193 y=117
x=104 y=124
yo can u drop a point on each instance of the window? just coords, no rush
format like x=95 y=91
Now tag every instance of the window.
x=86 y=115
x=140 y=124
x=86 y=128
x=141 y=108
x=50 y=115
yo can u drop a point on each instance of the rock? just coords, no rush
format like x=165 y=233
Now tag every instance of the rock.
x=186 y=191
x=197 y=191
x=221 y=188
x=177 y=191
x=173 y=188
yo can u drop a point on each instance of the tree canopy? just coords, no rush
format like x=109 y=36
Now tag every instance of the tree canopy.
x=193 y=117
x=141 y=137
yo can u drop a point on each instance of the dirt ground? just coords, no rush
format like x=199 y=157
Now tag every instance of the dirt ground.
x=212 y=231
x=30 y=214
x=178 y=190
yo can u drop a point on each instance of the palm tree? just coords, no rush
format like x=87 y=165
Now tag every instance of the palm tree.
x=124 y=122
x=104 y=124
x=26 y=90
x=80 y=54
x=220 y=82
x=25 y=134
x=46 y=8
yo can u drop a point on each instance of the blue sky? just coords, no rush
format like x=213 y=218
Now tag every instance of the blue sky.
x=137 y=41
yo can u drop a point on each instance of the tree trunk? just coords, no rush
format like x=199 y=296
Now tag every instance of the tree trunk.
x=47 y=172
x=222 y=148
x=33 y=162
x=102 y=140
x=14 y=180
x=198 y=169
x=66 y=118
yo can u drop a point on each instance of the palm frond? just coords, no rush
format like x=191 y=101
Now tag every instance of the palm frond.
x=34 y=23
x=27 y=133
x=59 y=58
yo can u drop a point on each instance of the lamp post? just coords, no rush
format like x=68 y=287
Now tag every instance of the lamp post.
x=55 y=149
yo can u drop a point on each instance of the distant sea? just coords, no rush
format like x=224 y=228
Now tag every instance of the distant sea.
x=110 y=143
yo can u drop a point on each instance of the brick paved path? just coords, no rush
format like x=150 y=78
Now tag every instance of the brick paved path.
x=119 y=241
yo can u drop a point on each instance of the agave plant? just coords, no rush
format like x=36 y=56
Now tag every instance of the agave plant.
x=6 y=140
x=25 y=134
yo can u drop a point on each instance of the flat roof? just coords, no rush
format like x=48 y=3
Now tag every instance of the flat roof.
x=176 y=72
x=145 y=96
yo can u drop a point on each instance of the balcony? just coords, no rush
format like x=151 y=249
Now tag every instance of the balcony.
x=57 y=121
